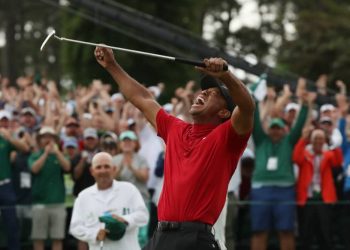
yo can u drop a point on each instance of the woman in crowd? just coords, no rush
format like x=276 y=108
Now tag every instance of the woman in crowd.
x=133 y=168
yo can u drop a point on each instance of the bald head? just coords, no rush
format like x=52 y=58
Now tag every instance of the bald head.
x=318 y=140
x=317 y=134
x=101 y=158
x=102 y=170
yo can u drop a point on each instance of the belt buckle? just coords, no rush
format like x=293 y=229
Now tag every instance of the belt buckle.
x=168 y=226
x=162 y=226
x=174 y=225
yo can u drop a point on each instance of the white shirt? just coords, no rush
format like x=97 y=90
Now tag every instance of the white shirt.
x=90 y=205
x=236 y=179
x=151 y=146
x=336 y=139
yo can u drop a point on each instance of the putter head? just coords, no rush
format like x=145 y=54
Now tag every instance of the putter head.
x=47 y=39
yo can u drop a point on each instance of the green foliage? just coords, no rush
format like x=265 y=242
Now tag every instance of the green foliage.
x=251 y=42
x=321 y=44
x=79 y=62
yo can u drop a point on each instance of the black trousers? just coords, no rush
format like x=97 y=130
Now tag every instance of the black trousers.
x=315 y=221
x=182 y=239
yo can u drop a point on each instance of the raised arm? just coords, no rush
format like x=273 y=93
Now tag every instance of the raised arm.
x=343 y=107
x=307 y=99
x=128 y=86
x=282 y=101
x=18 y=144
x=298 y=152
x=242 y=115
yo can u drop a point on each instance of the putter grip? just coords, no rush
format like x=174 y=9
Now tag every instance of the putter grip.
x=195 y=63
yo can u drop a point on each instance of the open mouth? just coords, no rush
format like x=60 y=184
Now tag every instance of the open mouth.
x=199 y=101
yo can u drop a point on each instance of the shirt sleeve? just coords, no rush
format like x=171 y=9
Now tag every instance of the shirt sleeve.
x=296 y=130
x=165 y=123
x=78 y=226
x=236 y=142
x=32 y=158
x=258 y=131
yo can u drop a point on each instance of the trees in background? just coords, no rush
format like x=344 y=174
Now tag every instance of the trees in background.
x=308 y=38
x=321 y=42
x=305 y=37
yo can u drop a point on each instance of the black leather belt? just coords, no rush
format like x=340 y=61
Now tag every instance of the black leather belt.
x=173 y=226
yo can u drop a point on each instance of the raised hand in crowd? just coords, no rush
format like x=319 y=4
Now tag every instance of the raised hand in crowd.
x=267 y=106
x=311 y=97
x=282 y=101
x=343 y=104
x=185 y=97
x=6 y=134
x=117 y=106
x=342 y=87
x=301 y=86
x=307 y=131
x=49 y=148
x=321 y=84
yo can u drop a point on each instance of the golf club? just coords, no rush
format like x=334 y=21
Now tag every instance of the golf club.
x=170 y=58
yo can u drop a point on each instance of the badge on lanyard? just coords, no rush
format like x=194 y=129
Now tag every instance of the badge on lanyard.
x=272 y=164
x=316 y=188
x=25 y=181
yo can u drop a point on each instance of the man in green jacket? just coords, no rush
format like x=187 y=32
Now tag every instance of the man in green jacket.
x=7 y=193
x=273 y=191
x=48 y=191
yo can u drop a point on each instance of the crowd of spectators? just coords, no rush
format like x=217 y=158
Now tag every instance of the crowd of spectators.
x=294 y=171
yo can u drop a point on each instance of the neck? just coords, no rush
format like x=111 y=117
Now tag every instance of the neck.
x=201 y=120
x=128 y=153
x=104 y=186
x=318 y=151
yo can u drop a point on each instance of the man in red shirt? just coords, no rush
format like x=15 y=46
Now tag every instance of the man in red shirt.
x=200 y=157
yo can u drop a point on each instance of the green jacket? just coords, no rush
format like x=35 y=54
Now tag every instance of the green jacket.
x=48 y=184
x=265 y=148
x=5 y=150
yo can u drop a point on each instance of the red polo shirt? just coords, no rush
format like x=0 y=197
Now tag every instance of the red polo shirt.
x=199 y=162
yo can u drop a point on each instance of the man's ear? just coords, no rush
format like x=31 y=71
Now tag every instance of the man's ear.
x=224 y=114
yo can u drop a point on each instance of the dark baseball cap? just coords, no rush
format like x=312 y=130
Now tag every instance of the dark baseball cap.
x=208 y=82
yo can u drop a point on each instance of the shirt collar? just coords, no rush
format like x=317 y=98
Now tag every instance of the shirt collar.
x=114 y=187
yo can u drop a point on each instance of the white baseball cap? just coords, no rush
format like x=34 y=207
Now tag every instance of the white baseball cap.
x=47 y=130
x=168 y=107
x=90 y=133
x=28 y=110
x=117 y=96
x=5 y=114
x=155 y=90
x=292 y=106
x=327 y=107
